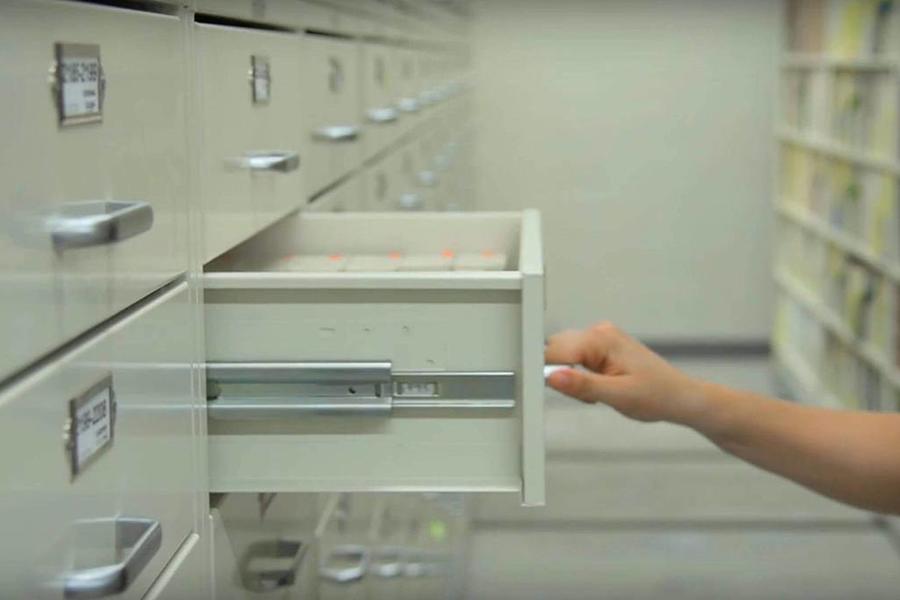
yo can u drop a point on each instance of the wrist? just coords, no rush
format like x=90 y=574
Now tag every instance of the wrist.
x=704 y=408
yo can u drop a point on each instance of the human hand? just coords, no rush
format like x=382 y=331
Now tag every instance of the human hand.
x=622 y=373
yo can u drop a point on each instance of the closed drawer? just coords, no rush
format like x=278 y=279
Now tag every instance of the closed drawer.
x=406 y=68
x=332 y=117
x=251 y=97
x=264 y=546
x=94 y=186
x=380 y=98
x=450 y=394
x=278 y=12
x=124 y=473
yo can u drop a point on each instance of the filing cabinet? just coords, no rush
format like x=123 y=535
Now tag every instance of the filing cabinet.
x=406 y=70
x=252 y=156
x=187 y=576
x=103 y=490
x=347 y=196
x=385 y=185
x=94 y=184
x=376 y=381
x=332 y=118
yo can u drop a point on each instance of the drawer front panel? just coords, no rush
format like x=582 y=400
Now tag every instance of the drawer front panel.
x=251 y=159
x=134 y=380
x=385 y=184
x=346 y=197
x=96 y=199
x=379 y=98
x=332 y=118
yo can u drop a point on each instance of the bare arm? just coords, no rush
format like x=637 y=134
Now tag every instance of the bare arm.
x=853 y=457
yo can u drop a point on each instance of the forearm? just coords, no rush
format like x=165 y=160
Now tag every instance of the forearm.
x=853 y=457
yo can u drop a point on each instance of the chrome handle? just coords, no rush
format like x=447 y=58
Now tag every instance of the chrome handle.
x=358 y=556
x=382 y=115
x=387 y=562
x=281 y=162
x=337 y=133
x=409 y=105
x=428 y=178
x=142 y=536
x=411 y=201
x=262 y=567
x=429 y=98
x=98 y=223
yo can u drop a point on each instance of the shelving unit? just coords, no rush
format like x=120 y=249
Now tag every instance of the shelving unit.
x=836 y=200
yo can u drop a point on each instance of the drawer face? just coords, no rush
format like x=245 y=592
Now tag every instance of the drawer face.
x=425 y=321
x=379 y=98
x=97 y=200
x=144 y=475
x=251 y=156
x=186 y=576
x=332 y=117
x=385 y=184
x=348 y=196
x=264 y=546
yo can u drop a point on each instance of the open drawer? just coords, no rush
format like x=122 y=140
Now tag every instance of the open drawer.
x=379 y=352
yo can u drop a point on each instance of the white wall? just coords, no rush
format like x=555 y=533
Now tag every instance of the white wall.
x=643 y=130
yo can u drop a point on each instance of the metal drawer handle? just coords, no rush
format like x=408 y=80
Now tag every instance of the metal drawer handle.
x=387 y=562
x=257 y=572
x=337 y=133
x=428 y=178
x=411 y=201
x=358 y=556
x=143 y=536
x=266 y=391
x=281 y=162
x=382 y=115
x=409 y=105
x=98 y=223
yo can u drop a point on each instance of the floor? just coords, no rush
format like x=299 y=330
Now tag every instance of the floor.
x=643 y=512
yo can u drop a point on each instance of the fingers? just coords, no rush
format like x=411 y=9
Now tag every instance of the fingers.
x=590 y=347
x=589 y=387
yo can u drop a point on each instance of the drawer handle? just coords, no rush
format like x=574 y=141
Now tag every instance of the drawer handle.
x=428 y=178
x=258 y=576
x=429 y=98
x=424 y=564
x=297 y=390
x=411 y=201
x=387 y=562
x=281 y=162
x=382 y=115
x=409 y=105
x=143 y=536
x=99 y=223
x=344 y=573
x=337 y=133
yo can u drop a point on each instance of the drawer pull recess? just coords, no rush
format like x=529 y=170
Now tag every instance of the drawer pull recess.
x=268 y=565
x=99 y=223
x=290 y=390
x=345 y=564
x=142 y=536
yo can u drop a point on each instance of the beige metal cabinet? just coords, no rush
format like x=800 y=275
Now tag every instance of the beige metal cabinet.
x=251 y=158
x=406 y=67
x=433 y=379
x=98 y=478
x=94 y=185
x=380 y=90
x=332 y=118
x=384 y=183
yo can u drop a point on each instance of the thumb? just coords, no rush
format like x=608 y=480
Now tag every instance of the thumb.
x=588 y=387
